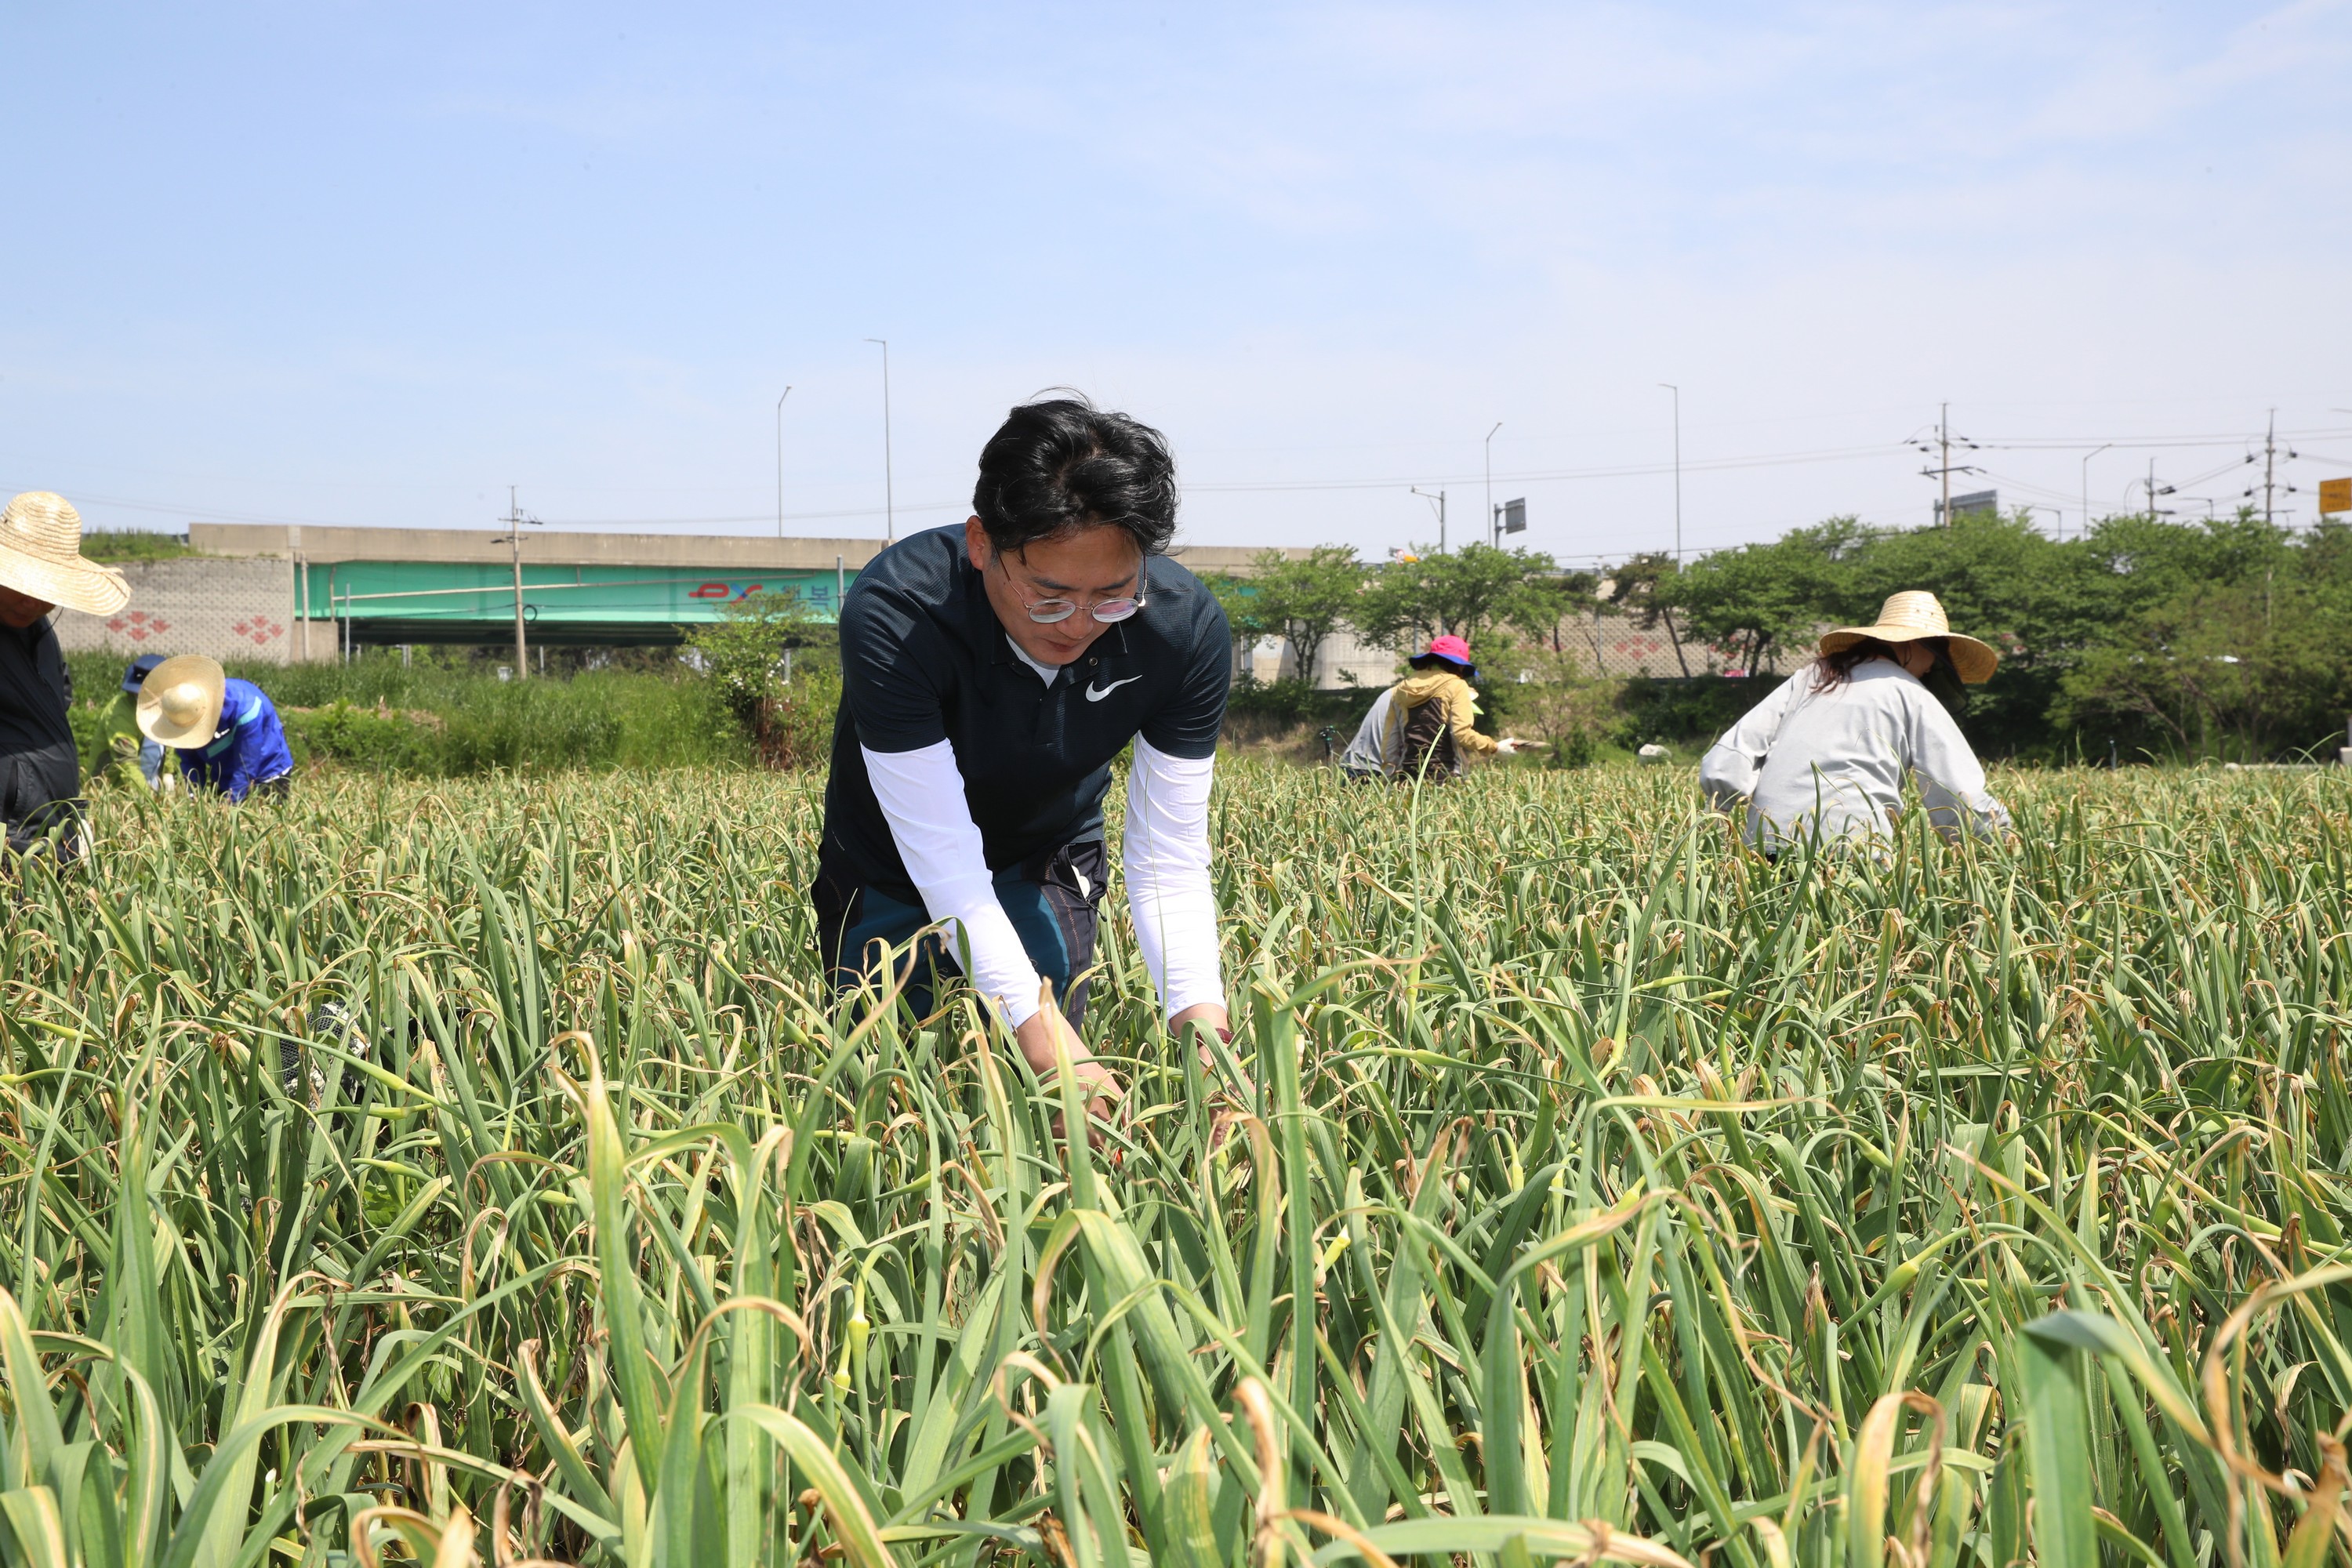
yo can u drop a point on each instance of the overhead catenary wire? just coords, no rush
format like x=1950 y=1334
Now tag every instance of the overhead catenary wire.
x=1878 y=450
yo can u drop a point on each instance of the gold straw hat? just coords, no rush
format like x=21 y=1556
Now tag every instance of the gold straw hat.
x=1910 y=616
x=180 y=701
x=41 y=556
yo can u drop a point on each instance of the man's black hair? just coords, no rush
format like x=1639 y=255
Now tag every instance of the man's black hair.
x=1060 y=465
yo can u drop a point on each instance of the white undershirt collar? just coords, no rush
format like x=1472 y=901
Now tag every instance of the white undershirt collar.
x=1049 y=673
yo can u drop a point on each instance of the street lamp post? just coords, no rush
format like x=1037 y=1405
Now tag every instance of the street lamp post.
x=1494 y=529
x=889 y=501
x=1677 y=391
x=2087 y=490
x=1439 y=497
x=780 y=463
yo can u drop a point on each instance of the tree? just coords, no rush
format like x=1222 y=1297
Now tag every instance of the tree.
x=1307 y=599
x=1552 y=604
x=1754 y=599
x=1463 y=593
x=1641 y=590
x=1246 y=617
x=2222 y=637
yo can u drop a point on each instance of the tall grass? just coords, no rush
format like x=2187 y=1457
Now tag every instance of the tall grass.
x=436 y=720
x=1605 y=1195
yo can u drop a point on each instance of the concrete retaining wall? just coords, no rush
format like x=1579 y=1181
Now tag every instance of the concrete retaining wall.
x=229 y=608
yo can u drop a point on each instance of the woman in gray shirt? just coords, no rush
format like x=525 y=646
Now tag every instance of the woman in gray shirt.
x=1827 y=751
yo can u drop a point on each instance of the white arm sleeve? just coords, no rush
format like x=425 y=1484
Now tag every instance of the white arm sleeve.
x=1166 y=857
x=1951 y=780
x=921 y=793
x=1727 y=774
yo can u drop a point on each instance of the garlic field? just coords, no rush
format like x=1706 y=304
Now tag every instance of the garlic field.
x=477 y=1170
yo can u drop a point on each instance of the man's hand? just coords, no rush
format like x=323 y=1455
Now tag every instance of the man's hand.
x=1509 y=744
x=1227 y=1109
x=1208 y=1014
x=1038 y=1039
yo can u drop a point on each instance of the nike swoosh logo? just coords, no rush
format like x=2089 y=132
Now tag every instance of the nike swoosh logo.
x=1096 y=693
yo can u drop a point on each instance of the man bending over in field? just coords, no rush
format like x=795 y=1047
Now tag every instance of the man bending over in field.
x=990 y=674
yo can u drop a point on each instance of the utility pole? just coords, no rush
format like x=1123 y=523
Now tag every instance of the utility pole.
x=1677 y=391
x=302 y=581
x=1439 y=496
x=2270 y=465
x=1494 y=524
x=1944 y=439
x=889 y=501
x=515 y=522
x=780 y=463
x=1945 y=468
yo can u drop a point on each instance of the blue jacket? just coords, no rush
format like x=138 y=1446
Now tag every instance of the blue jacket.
x=249 y=747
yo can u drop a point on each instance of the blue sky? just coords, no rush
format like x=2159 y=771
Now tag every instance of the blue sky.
x=371 y=264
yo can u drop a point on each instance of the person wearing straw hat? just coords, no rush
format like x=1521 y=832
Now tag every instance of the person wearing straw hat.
x=42 y=570
x=1431 y=716
x=226 y=731
x=1827 y=753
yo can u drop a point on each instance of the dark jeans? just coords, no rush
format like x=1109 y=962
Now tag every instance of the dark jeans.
x=1050 y=899
x=40 y=800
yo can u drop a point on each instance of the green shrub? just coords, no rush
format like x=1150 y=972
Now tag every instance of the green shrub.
x=366 y=738
x=531 y=725
x=1686 y=712
x=671 y=720
x=120 y=546
x=439 y=717
x=795 y=726
x=784 y=708
x=1279 y=703
x=1574 y=715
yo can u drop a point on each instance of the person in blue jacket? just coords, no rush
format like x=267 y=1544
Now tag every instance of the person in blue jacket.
x=225 y=731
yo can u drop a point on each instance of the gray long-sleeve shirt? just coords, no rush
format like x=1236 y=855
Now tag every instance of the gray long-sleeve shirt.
x=1365 y=753
x=1835 y=760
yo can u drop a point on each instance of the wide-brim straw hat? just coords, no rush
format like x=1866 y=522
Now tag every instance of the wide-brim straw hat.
x=179 y=703
x=1910 y=616
x=41 y=556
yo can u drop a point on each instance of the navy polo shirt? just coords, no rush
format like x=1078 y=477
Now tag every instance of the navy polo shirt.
x=924 y=660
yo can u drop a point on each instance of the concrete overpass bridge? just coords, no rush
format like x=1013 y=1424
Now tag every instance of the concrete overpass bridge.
x=292 y=594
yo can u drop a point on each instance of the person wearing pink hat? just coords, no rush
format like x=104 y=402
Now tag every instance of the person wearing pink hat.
x=1432 y=715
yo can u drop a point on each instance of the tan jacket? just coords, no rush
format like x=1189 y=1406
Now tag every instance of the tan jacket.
x=1457 y=702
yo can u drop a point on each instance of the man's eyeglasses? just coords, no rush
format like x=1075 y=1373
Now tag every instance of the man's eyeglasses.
x=1048 y=612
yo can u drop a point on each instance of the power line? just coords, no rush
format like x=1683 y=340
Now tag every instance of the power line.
x=1283 y=487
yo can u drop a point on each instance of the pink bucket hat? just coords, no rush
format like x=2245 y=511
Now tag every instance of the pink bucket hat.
x=1452 y=649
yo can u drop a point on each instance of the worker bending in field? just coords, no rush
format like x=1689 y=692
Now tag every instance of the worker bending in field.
x=42 y=568
x=990 y=675
x=1430 y=727
x=117 y=749
x=226 y=731
x=1365 y=759
x=1826 y=753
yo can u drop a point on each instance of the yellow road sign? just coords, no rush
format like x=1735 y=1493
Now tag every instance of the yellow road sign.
x=2336 y=495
